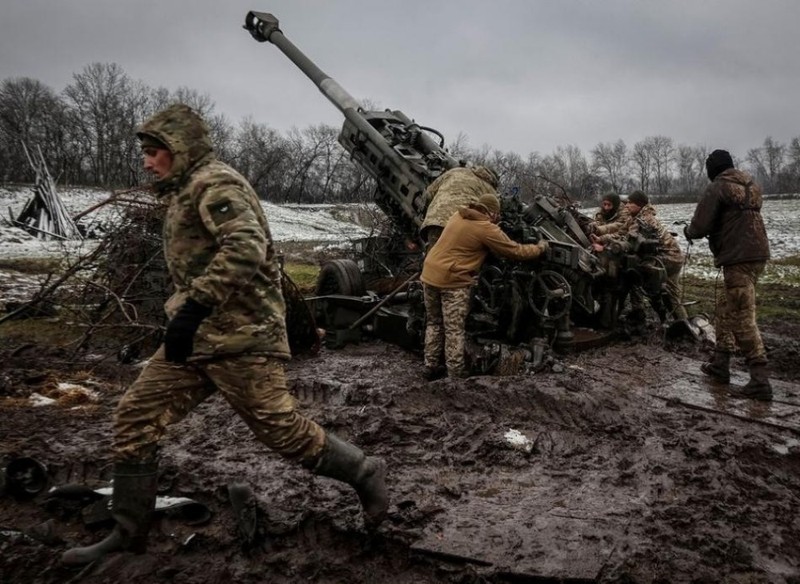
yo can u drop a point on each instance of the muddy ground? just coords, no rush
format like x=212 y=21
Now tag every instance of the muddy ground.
x=631 y=468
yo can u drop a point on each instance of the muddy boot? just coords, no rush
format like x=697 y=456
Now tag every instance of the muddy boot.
x=434 y=373
x=132 y=502
x=719 y=367
x=758 y=387
x=345 y=462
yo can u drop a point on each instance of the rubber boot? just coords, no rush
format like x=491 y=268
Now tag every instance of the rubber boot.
x=719 y=367
x=758 y=387
x=132 y=503
x=345 y=462
x=434 y=373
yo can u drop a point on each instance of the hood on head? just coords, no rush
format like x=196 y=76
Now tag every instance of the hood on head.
x=184 y=133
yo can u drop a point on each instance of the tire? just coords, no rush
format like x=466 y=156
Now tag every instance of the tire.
x=340 y=277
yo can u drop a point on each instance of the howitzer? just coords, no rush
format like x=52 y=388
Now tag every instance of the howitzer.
x=514 y=303
x=396 y=151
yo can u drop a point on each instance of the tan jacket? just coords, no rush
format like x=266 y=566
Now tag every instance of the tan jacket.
x=467 y=238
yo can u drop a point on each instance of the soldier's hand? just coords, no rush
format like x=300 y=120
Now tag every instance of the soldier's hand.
x=544 y=246
x=179 y=338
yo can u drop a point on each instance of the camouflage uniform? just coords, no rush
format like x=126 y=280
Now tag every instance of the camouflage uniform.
x=607 y=229
x=220 y=253
x=670 y=255
x=445 y=334
x=456 y=188
x=610 y=225
x=448 y=275
x=729 y=214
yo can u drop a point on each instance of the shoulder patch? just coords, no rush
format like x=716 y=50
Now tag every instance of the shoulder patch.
x=222 y=211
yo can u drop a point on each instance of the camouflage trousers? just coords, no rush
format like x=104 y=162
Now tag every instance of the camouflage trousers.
x=254 y=386
x=445 y=335
x=736 y=312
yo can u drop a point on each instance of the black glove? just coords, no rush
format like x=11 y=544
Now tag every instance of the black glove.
x=178 y=340
x=686 y=232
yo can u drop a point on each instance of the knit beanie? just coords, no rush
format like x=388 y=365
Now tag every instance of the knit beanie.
x=638 y=198
x=718 y=161
x=613 y=198
x=490 y=202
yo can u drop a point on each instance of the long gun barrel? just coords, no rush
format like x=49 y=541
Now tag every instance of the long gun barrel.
x=399 y=154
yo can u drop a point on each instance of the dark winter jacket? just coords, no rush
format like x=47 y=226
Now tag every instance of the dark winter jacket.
x=730 y=215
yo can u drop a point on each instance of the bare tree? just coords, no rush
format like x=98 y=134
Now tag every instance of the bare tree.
x=662 y=151
x=261 y=156
x=108 y=107
x=611 y=162
x=29 y=115
x=642 y=164
x=767 y=162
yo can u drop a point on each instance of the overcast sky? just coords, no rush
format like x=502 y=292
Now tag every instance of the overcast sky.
x=519 y=75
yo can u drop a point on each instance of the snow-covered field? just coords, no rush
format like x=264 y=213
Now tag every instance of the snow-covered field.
x=313 y=223
x=329 y=224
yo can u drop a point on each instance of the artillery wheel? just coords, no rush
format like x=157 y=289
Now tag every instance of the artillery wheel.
x=486 y=290
x=550 y=295
x=340 y=277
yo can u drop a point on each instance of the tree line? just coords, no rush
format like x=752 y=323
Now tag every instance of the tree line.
x=87 y=136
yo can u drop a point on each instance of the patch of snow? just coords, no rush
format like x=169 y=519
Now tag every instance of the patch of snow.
x=38 y=400
x=288 y=223
x=518 y=440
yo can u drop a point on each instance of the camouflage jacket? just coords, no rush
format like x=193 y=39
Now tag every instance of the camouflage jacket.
x=613 y=224
x=646 y=223
x=729 y=213
x=458 y=187
x=217 y=244
x=456 y=258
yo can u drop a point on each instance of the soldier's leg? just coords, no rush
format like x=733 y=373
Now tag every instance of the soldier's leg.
x=638 y=313
x=164 y=393
x=740 y=288
x=434 y=327
x=455 y=306
x=740 y=283
x=256 y=388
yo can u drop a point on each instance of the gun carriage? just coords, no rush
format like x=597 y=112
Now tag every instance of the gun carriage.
x=515 y=304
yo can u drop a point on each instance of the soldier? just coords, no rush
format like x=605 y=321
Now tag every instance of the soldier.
x=449 y=272
x=642 y=218
x=226 y=333
x=729 y=214
x=455 y=188
x=611 y=217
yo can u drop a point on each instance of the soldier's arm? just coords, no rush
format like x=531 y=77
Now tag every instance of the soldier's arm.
x=433 y=188
x=608 y=228
x=227 y=213
x=502 y=245
x=705 y=214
